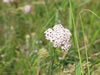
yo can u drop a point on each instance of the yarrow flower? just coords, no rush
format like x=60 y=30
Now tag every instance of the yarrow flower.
x=27 y=9
x=6 y=1
x=60 y=36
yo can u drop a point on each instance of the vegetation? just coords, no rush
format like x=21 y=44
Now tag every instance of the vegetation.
x=24 y=49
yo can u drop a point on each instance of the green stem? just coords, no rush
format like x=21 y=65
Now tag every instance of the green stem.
x=85 y=45
x=75 y=37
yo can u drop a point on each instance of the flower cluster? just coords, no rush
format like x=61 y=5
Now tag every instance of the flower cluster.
x=43 y=53
x=7 y=1
x=27 y=9
x=60 y=36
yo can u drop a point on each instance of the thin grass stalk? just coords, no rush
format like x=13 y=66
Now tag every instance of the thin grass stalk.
x=85 y=45
x=75 y=37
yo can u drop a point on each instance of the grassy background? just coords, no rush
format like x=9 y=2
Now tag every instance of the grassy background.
x=24 y=49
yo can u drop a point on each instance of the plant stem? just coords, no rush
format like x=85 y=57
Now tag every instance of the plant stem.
x=85 y=45
x=75 y=37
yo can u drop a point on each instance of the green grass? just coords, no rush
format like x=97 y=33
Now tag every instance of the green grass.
x=25 y=51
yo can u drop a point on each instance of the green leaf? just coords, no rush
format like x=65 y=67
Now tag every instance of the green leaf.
x=78 y=69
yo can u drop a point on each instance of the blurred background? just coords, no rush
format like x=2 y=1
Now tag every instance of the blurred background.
x=24 y=49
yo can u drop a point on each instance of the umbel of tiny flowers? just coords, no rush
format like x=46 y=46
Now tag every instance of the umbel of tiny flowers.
x=6 y=1
x=27 y=9
x=60 y=37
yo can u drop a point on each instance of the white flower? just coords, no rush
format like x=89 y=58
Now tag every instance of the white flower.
x=60 y=58
x=27 y=9
x=6 y=1
x=60 y=36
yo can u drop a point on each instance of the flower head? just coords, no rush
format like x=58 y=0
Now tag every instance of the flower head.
x=43 y=53
x=27 y=9
x=60 y=36
x=6 y=1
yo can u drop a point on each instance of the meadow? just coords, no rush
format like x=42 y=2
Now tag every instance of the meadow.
x=24 y=49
